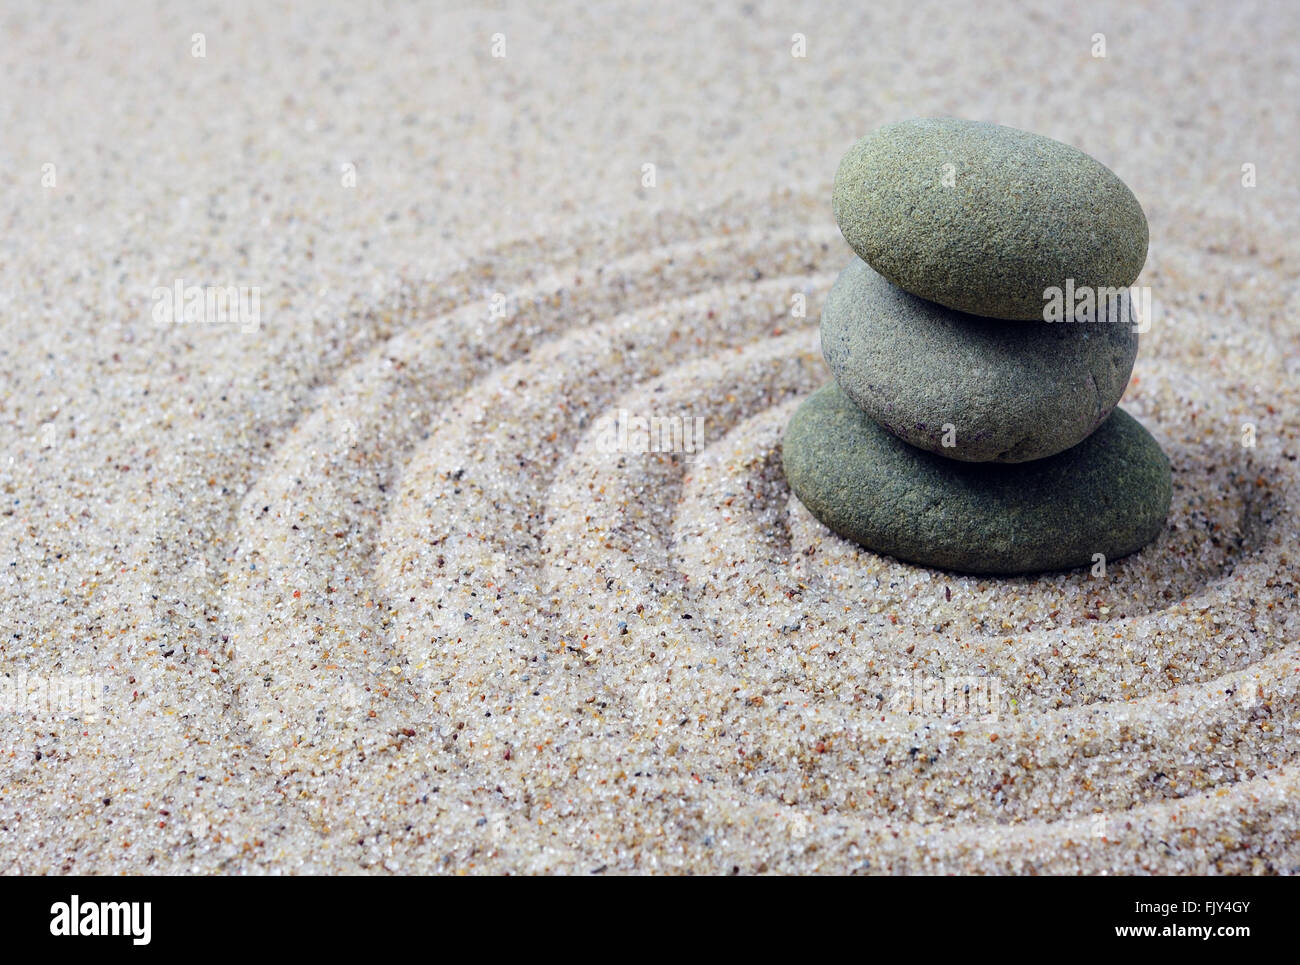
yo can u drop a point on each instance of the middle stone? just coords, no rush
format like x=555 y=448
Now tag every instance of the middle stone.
x=968 y=387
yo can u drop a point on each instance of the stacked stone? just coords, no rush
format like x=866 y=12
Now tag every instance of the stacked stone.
x=964 y=430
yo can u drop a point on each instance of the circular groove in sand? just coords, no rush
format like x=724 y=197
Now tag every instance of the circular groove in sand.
x=423 y=668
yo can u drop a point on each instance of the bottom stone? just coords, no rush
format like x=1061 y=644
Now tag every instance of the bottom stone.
x=1109 y=494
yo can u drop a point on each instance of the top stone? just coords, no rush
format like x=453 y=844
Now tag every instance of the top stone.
x=986 y=219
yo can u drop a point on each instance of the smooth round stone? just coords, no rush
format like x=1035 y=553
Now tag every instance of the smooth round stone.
x=1109 y=494
x=1010 y=392
x=984 y=218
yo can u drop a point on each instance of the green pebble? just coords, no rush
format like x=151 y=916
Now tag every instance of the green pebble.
x=986 y=219
x=972 y=388
x=1110 y=494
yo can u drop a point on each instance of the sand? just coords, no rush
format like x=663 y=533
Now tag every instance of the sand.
x=362 y=586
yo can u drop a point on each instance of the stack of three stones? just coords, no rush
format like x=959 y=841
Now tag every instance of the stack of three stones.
x=964 y=430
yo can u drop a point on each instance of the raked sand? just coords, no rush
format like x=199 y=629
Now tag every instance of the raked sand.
x=362 y=587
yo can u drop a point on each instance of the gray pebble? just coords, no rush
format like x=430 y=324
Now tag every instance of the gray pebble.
x=973 y=388
x=984 y=218
x=1110 y=494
